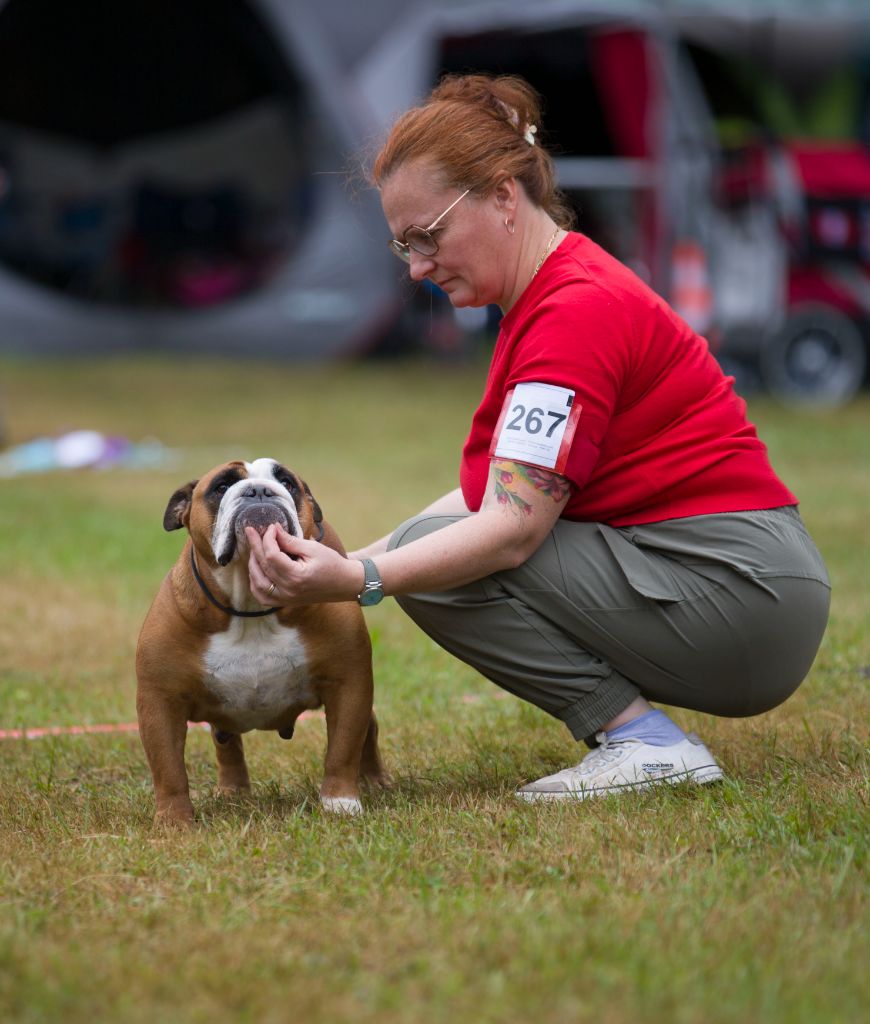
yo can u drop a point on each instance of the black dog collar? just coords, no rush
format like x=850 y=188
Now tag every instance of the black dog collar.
x=225 y=607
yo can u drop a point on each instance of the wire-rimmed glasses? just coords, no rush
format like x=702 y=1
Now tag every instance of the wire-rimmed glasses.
x=419 y=239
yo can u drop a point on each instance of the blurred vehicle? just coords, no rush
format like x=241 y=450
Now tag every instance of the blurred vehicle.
x=787 y=232
x=810 y=344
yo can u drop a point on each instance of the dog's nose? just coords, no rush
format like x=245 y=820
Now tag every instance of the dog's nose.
x=258 y=491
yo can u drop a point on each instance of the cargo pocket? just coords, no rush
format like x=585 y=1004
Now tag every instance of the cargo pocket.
x=652 y=575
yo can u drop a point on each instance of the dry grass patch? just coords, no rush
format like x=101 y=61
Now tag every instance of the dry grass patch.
x=448 y=901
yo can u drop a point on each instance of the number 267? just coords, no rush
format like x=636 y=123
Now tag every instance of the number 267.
x=533 y=421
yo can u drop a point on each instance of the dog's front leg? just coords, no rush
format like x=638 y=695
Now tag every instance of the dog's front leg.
x=348 y=714
x=163 y=730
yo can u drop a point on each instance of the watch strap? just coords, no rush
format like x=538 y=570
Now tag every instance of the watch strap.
x=373 y=589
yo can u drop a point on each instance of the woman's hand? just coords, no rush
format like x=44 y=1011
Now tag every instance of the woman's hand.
x=302 y=571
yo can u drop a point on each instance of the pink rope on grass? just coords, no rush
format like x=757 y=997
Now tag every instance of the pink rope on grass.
x=119 y=727
x=114 y=727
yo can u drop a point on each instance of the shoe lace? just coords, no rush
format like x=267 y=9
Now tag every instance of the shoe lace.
x=596 y=759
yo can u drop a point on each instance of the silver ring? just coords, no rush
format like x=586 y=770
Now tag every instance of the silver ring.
x=270 y=591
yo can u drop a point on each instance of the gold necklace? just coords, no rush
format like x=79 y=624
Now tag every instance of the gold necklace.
x=546 y=251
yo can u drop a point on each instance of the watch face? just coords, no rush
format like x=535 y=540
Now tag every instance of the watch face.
x=370 y=597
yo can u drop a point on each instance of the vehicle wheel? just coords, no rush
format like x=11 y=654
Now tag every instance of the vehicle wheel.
x=817 y=357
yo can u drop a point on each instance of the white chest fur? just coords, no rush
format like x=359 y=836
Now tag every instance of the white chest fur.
x=257 y=669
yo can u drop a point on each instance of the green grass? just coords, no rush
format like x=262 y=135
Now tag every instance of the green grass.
x=448 y=901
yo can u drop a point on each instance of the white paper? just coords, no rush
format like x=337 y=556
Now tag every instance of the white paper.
x=534 y=424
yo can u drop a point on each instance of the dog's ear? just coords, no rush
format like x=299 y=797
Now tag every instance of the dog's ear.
x=178 y=510
x=318 y=515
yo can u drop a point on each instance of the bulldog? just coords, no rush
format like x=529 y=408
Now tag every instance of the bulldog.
x=208 y=651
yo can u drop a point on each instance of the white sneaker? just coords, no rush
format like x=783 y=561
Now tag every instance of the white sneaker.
x=619 y=765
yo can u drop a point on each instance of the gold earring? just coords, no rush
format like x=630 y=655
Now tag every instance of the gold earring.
x=509 y=224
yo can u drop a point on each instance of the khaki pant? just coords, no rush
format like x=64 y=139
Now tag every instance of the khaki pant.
x=720 y=613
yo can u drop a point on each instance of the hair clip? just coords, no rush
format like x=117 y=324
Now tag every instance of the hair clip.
x=529 y=134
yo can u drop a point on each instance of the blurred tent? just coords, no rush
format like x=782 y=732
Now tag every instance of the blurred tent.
x=175 y=174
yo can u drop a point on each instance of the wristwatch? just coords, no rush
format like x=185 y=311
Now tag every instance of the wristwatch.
x=373 y=590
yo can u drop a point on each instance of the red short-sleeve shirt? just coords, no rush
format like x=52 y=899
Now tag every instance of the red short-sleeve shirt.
x=661 y=433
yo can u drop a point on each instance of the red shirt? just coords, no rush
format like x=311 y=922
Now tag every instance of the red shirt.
x=661 y=433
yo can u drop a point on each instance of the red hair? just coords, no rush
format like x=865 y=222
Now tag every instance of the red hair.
x=473 y=128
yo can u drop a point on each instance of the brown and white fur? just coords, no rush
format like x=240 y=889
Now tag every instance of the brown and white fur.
x=196 y=662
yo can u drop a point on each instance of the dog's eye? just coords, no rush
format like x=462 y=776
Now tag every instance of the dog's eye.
x=222 y=484
x=288 y=482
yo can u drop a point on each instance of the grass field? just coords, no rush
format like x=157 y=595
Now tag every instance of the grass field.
x=448 y=901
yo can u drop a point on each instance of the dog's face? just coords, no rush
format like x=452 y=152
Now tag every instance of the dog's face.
x=217 y=507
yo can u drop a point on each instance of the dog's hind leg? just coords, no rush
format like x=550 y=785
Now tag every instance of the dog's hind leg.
x=371 y=766
x=232 y=769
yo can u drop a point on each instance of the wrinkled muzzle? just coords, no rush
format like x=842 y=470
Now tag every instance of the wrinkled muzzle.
x=256 y=510
x=260 y=515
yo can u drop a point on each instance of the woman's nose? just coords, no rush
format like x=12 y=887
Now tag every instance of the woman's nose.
x=420 y=266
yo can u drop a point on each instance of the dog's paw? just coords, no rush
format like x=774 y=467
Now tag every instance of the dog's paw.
x=169 y=822
x=341 y=804
x=379 y=780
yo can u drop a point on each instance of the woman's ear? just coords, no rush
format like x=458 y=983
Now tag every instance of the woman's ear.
x=505 y=193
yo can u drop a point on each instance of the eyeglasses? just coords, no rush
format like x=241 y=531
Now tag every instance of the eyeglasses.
x=419 y=239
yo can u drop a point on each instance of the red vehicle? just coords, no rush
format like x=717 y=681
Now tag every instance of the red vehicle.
x=786 y=234
x=813 y=202
x=821 y=347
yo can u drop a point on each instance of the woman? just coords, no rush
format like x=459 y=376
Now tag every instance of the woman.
x=618 y=536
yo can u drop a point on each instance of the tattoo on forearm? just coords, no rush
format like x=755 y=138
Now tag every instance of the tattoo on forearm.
x=505 y=481
x=509 y=474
